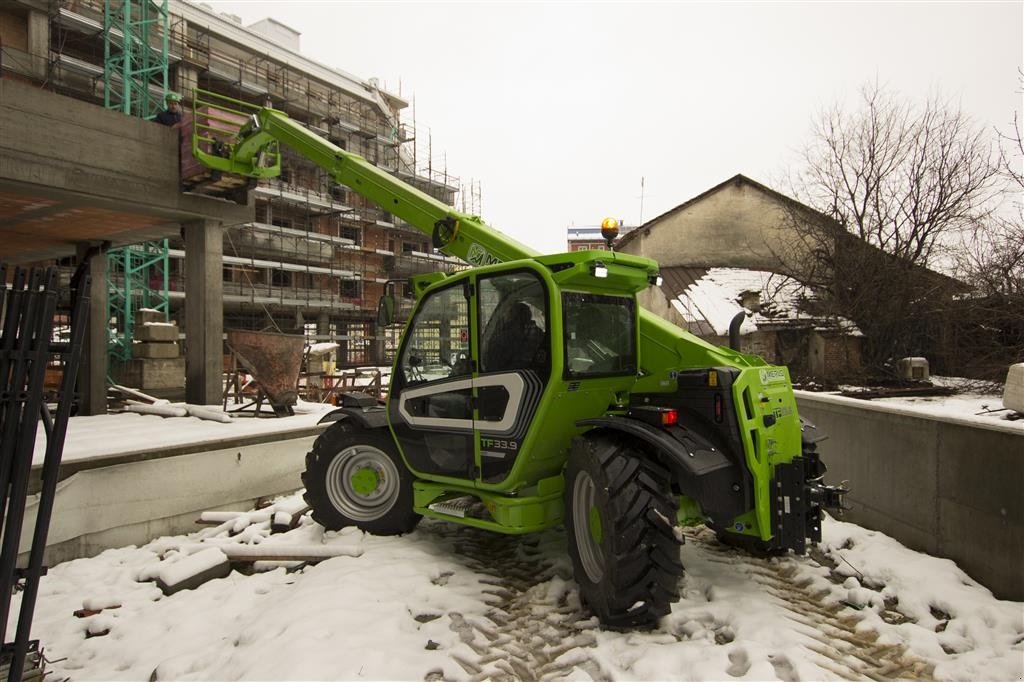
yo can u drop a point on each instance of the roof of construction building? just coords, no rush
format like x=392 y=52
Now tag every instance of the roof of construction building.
x=246 y=36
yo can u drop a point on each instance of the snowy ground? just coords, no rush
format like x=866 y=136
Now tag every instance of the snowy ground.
x=974 y=402
x=447 y=602
x=106 y=435
x=970 y=402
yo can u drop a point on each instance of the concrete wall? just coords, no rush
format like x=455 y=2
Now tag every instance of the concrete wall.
x=136 y=501
x=950 y=487
x=737 y=226
x=69 y=144
x=81 y=173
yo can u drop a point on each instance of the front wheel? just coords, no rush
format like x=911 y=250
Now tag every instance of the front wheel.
x=355 y=477
x=619 y=516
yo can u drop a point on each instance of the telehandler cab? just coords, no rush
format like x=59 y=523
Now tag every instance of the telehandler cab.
x=531 y=391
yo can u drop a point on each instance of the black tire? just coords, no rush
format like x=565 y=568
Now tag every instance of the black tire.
x=619 y=514
x=355 y=477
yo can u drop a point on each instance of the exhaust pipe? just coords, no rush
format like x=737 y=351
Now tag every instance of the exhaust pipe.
x=734 y=330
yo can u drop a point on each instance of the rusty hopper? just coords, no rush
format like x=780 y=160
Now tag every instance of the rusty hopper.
x=274 y=360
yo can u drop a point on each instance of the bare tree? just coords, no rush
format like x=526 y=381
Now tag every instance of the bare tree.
x=892 y=185
x=989 y=324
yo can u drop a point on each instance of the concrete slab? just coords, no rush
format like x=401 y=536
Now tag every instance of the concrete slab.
x=74 y=172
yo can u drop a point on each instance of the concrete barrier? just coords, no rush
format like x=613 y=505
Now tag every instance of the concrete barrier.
x=132 y=499
x=944 y=485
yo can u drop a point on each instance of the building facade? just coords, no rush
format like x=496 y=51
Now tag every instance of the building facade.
x=316 y=257
x=725 y=252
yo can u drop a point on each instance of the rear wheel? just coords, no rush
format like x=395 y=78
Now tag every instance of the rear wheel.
x=619 y=517
x=355 y=477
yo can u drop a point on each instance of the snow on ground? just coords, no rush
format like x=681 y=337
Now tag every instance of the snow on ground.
x=456 y=603
x=972 y=403
x=114 y=434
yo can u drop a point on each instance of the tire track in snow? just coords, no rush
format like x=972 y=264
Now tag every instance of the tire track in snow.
x=841 y=648
x=535 y=628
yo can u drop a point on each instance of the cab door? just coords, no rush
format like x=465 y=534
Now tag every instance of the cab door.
x=513 y=344
x=431 y=403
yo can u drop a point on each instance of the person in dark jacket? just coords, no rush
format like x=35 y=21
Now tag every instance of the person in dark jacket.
x=519 y=345
x=171 y=116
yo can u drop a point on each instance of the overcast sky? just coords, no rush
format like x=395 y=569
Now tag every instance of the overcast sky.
x=559 y=109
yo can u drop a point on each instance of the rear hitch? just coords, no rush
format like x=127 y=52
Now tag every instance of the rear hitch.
x=798 y=497
x=830 y=497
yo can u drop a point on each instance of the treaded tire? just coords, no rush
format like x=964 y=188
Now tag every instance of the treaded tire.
x=336 y=502
x=619 y=514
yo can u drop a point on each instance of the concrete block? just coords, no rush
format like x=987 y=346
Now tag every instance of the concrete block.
x=156 y=332
x=194 y=570
x=148 y=374
x=155 y=350
x=913 y=369
x=1013 y=393
x=144 y=315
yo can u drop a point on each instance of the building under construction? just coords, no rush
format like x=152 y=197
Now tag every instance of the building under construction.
x=297 y=253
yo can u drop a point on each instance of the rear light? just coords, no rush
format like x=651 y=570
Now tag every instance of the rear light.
x=655 y=416
x=719 y=408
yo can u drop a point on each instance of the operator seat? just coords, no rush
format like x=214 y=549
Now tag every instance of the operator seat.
x=518 y=343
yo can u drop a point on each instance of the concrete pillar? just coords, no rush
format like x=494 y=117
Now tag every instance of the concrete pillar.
x=92 y=374
x=38 y=24
x=204 y=312
x=323 y=325
x=377 y=334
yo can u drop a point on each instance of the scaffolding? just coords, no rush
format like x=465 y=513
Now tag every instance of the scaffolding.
x=317 y=255
x=135 y=43
x=137 y=277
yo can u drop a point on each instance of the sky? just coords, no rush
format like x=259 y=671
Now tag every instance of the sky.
x=560 y=110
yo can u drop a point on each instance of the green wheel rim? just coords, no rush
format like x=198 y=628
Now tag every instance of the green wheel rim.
x=586 y=523
x=365 y=481
x=362 y=483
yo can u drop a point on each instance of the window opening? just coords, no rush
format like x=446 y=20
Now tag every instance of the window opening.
x=513 y=317
x=600 y=335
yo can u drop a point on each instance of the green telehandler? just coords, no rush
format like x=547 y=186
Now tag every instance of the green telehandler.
x=531 y=391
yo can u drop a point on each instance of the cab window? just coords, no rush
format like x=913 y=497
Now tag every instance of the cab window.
x=437 y=346
x=513 y=323
x=600 y=335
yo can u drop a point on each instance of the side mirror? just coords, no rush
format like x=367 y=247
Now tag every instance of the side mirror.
x=386 y=310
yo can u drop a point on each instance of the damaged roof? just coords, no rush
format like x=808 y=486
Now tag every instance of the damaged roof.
x=709 y=298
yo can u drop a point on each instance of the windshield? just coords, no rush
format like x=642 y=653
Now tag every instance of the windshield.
x=600 y=335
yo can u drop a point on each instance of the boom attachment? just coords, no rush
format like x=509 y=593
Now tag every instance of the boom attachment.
x=238 y=137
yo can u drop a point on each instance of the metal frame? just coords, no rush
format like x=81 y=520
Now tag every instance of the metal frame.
x=26 y=349
x=132 y=66
x=130 y=270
